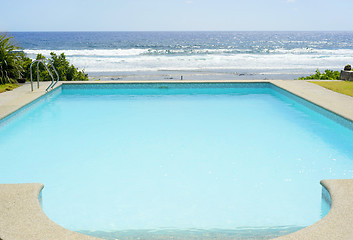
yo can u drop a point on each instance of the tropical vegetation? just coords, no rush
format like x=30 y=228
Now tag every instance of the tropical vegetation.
x=66 y=71
x=327 y=75
x=14 y=64
x=8 y=87
x=10 y=60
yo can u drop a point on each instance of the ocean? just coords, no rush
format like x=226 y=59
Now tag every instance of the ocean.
x=194 y=55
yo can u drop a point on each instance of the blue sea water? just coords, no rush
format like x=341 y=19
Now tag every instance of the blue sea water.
x=195 y=55
x=205 y=161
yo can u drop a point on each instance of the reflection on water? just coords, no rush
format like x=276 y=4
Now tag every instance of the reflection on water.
x=195 y=234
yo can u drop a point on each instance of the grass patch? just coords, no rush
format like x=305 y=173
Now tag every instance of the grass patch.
x=344 y=87
x=8 y=87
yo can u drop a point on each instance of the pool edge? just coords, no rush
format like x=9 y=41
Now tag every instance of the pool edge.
x=311 y=92
x=22 y=217
x=336 y=225
x=21 y=97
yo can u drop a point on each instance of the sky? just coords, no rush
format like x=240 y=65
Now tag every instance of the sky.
x=176 y=15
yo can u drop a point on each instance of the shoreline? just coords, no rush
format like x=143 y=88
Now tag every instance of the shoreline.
x=197 y=75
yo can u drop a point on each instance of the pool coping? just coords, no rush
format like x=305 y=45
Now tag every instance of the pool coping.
x=21 y=216
x=335 y=102
x=11 y=101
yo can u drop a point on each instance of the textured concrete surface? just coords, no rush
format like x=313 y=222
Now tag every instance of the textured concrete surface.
x=11 y=101
x=21 y=216
x=333 y=101
x=338 y=223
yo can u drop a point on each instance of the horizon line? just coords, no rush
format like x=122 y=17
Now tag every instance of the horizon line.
x=8 y=31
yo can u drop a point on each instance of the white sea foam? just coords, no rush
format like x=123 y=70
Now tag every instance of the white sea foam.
x=93 y=52
x=217 y=62
x=139 y=52
x=348 y=52
x=129 y=60
x=133 y=52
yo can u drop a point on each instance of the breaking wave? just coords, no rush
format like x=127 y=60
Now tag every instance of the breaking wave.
x=186 y=51
x=134 y=59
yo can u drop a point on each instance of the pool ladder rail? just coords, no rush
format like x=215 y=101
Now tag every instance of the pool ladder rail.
x=52 y=84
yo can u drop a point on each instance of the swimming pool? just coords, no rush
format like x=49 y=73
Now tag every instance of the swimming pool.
x=192 y=157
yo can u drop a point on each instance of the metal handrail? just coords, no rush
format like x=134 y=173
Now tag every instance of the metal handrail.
x=52 y=84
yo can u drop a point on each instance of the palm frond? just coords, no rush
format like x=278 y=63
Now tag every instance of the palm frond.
x=9 y=60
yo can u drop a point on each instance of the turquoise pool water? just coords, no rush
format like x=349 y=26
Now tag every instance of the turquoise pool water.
x=205 y=158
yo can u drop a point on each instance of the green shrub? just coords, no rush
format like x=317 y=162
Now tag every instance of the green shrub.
x=66 y=71
x=25 y=63
x=15 y=64
x=327 y=75
x=8 y=87
x=10 y=61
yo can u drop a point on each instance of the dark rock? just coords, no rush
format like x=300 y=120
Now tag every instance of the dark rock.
x=347 y=67
x=346 y=75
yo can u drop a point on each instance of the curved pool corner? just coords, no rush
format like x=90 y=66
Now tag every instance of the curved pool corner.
x=21 y=216
x=338 y=223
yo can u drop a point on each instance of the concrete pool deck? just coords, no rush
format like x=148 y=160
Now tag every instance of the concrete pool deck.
x=21 y=215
